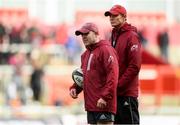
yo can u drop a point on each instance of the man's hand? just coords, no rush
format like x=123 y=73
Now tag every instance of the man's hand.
x=101 y=103
x=73 y=93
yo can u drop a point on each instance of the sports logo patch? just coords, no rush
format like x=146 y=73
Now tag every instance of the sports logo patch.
x=103 y=117
x=110 y=59
x=134 y=47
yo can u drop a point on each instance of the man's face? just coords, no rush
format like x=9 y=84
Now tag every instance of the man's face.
x=117 y=20
x=89 y=38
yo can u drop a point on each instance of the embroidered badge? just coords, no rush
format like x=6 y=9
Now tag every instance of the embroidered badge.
x=134 y=47
x=110 y=59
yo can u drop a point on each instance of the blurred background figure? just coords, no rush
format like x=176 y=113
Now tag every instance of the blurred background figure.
x=36 y=78
x=36 y=82
x=142 y=37
x=16 y=90
x=73 y=48
x=15 y=35
x=163 y=43
x=2 y=32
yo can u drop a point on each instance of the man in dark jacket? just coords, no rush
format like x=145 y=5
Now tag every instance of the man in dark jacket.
x=163 y=43
x=36 y=82
x=100 y=77
x=126 y=42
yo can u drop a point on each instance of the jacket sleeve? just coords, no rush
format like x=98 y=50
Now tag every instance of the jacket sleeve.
x=110 y=65
x=78 y=89
x=133 y=61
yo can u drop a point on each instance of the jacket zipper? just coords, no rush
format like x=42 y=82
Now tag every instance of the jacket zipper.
x=89 y=61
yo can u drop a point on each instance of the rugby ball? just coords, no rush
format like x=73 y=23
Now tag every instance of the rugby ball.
x=77 y=76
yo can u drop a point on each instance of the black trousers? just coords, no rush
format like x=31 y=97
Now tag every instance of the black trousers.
x=94 y=117
x=127 y=111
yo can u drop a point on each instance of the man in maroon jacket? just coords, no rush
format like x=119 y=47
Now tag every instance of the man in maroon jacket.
x=126 y=42
x=100 y=77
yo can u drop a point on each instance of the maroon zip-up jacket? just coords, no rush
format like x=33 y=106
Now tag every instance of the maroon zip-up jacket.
x=126 y=42
x=100 y=72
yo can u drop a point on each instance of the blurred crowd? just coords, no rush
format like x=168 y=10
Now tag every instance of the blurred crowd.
x=35 y=45
x=29 y=36
x=162 y=39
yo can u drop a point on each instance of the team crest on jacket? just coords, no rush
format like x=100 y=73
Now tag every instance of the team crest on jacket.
x=110 y=59
x=134 y=47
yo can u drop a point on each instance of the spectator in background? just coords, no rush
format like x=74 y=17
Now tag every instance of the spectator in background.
x=34 y=36
x=36 y=82
x=16 y=88
x=142 y=37
x=2 y=32
x=4 y=55
x=163 y=43
x=36 y=79
x=73 y=49
x=15 y=35
x=126 y=42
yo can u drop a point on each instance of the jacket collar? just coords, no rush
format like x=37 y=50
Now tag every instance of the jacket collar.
x=125 y=27
x=96 y=45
